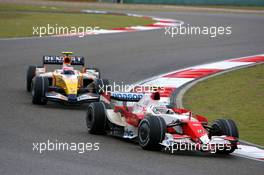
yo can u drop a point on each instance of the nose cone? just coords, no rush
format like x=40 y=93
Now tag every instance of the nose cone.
x=71 y=85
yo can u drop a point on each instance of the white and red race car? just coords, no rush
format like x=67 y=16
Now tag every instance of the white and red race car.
x=155 y=125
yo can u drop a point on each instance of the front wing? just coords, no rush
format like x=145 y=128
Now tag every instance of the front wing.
x=82 y=98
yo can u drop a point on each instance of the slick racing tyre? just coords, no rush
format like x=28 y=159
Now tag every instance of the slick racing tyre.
x=39 y=89
x=30 y=75
x=225 y=127
x=101 y=86
x=151 y=132
x=96 y=118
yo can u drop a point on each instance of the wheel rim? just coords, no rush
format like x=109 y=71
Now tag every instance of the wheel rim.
x=144 y=131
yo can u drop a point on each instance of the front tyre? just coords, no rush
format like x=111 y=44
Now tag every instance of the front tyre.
x=39 y=89
x=96 y=118
x=151 y=132
x=225 y=127
x=30 y=75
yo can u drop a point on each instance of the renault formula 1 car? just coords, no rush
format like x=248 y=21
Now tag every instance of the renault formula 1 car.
x=65 y=84
x=156 y=125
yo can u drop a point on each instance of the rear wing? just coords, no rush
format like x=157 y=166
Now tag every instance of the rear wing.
x=75 y=60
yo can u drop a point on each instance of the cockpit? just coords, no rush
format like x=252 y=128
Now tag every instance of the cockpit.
x=68 y=71
x=162 y=109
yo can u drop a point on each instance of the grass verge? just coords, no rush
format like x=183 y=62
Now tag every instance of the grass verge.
x=87 y=4
x=4 y=7
x=159 y=7
x=19 y=20
x=238 y=95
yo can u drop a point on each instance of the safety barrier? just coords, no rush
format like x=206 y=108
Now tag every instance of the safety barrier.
x=199 y=2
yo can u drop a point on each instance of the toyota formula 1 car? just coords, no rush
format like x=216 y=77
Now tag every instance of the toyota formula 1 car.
x=65 y=84
x=155 y=125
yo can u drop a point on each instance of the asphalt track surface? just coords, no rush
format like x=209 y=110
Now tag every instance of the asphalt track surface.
x=125 y=57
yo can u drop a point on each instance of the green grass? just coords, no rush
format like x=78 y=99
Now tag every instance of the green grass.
x=238 y=95
x=158 y=6
x=19 y=20
x=74 y=5
x=21 y=7
x=75 y=0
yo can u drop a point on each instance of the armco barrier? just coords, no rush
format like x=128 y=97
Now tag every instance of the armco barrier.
x=200 y=2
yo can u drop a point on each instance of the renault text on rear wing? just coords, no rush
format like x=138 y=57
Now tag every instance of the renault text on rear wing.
x=75 y=60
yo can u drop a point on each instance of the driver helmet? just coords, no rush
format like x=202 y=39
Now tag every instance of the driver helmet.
x=162 y=109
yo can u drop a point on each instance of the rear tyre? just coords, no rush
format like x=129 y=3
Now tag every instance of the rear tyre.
x=225 y=127
x=96 y=118
x=30 y=75
x=151 y=132
x=39 y=88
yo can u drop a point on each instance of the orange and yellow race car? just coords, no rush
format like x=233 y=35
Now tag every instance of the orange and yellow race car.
x=67 y=84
